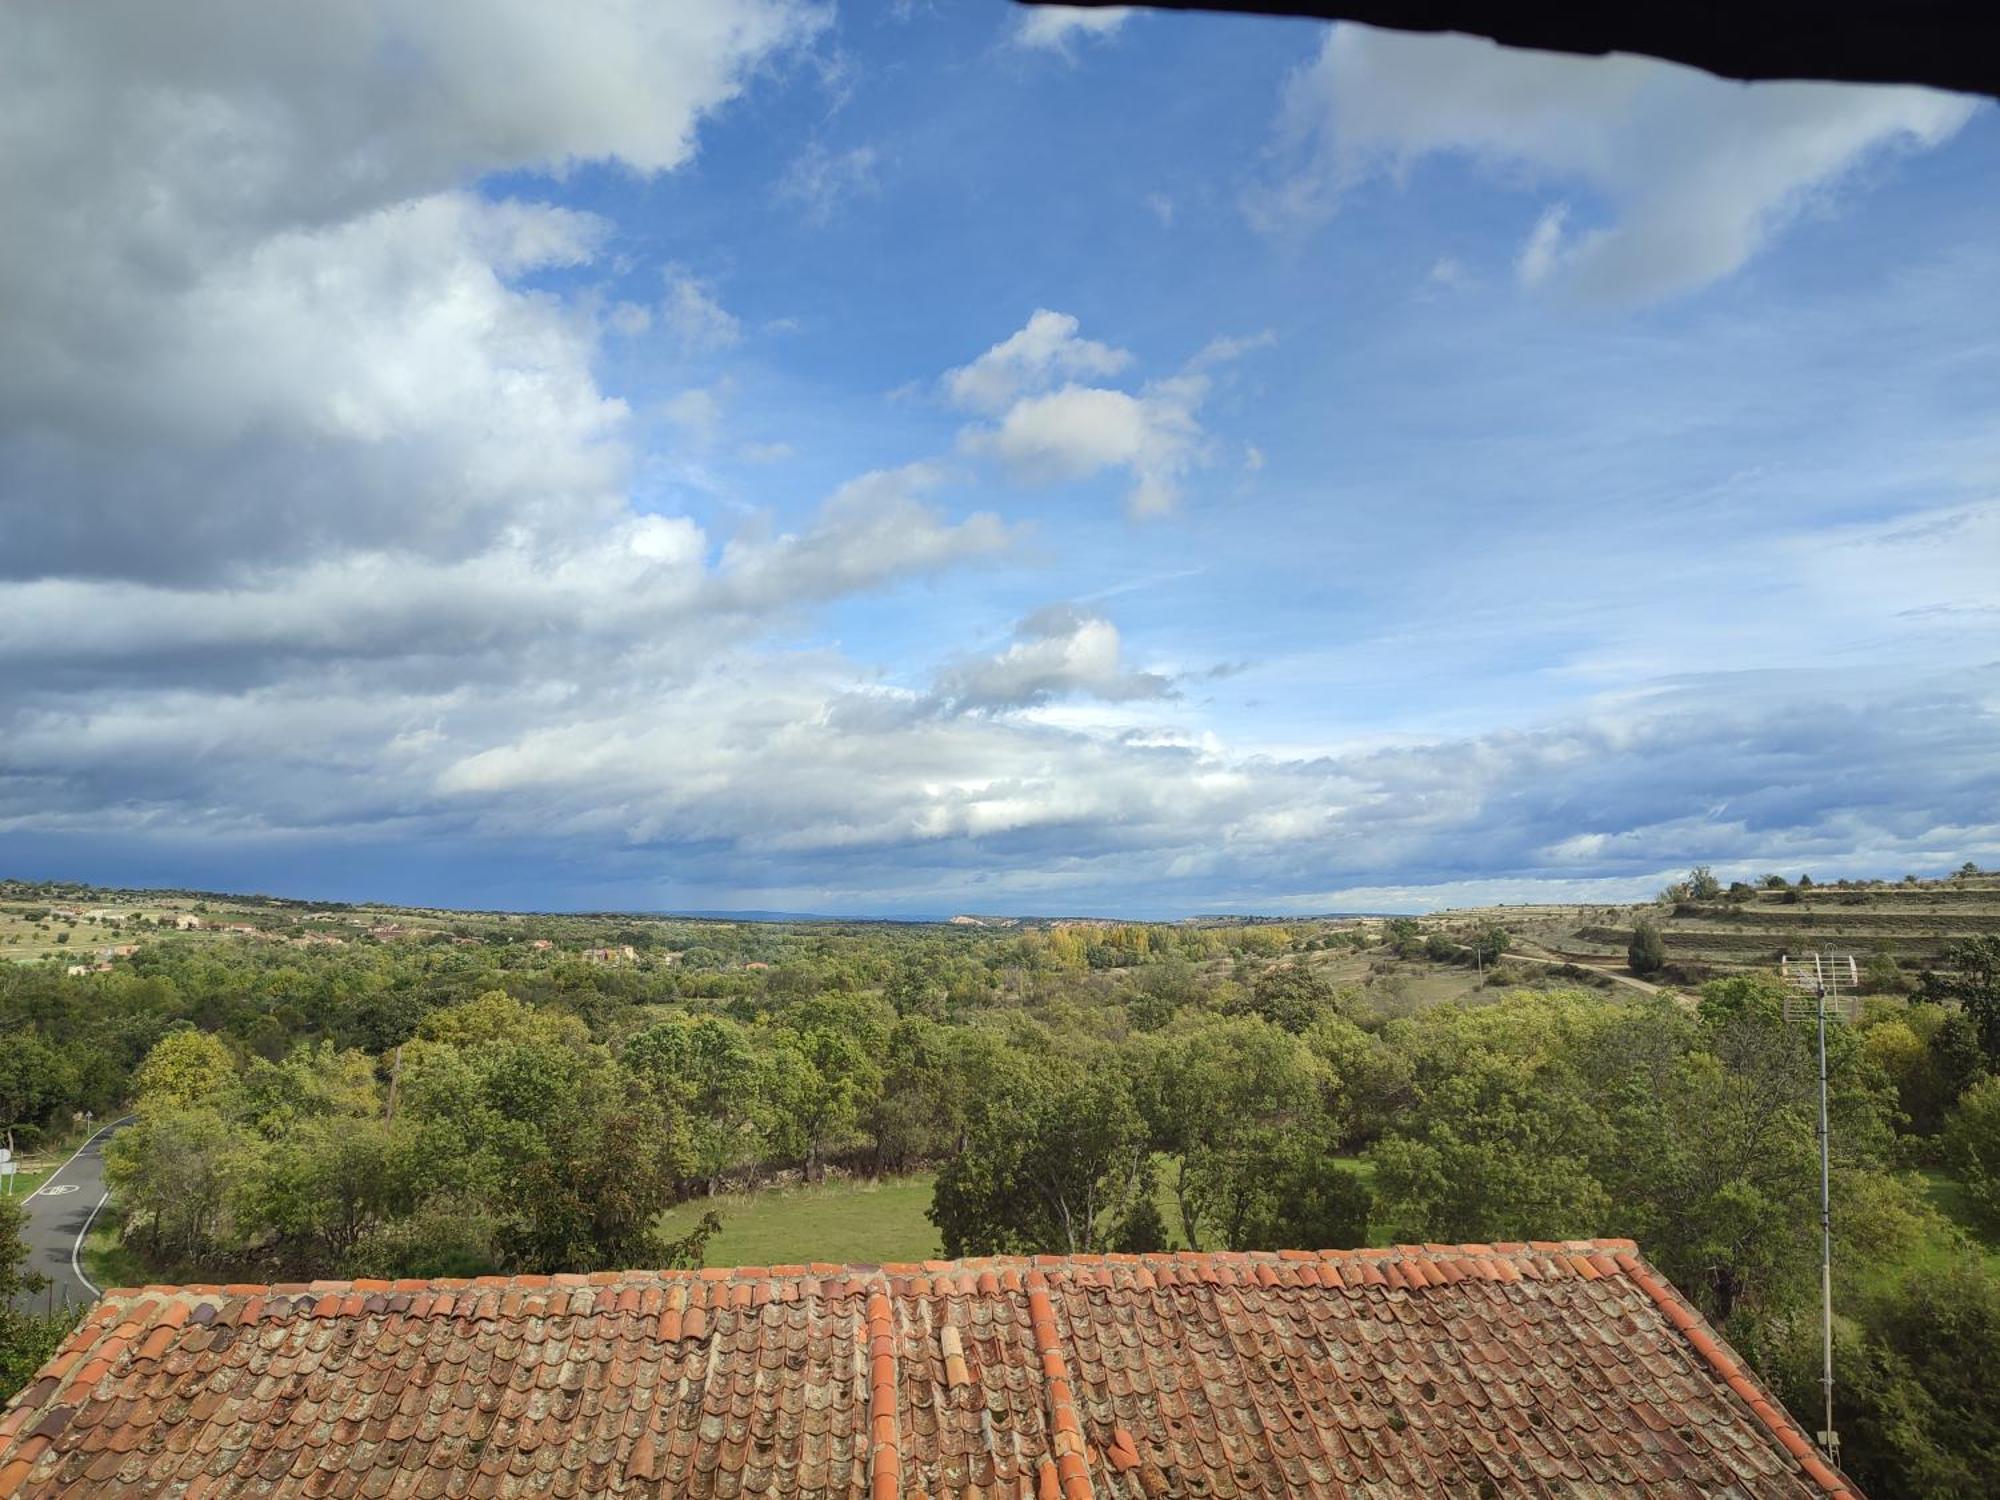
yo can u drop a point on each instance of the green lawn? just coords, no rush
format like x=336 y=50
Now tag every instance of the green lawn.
x=858 y=1222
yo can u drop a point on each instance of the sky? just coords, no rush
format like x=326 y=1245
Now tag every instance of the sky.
x=903 y=459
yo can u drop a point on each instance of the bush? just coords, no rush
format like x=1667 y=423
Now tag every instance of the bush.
x=1972 y=1149
x=1913 y=1391
x=1647 y=952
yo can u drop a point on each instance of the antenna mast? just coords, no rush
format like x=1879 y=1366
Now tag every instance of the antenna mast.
x=1821 y=977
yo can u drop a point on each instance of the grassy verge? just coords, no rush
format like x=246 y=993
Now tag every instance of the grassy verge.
x=26 y=1180
x=105 y=1260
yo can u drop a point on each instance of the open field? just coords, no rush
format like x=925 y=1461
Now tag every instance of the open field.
x=860 y=1222
x=854 y=1222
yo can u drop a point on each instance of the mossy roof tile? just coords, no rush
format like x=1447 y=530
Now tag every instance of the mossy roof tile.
x=1450 y=1370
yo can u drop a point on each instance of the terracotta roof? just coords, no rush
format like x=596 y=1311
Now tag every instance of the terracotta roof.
x=1464 y=1370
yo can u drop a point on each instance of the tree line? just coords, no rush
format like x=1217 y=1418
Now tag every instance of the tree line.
x=453 y=1112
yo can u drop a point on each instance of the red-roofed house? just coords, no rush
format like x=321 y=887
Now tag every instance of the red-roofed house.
x=1538 y=1370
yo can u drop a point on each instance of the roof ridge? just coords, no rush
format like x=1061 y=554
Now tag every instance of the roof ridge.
x=862 y=1271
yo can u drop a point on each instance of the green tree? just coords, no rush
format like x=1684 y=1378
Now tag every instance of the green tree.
x=1916 y=1367
x=1290 y=995
x=27 y=1339
x=1882 y=975
x=1309 y=1200
x=1055 y=1157
x=1971 y=976
x=818 y=1083
x=174 y=1169
x=1972 y=1149
x=1647 y=952
x=708 y=1071
x=1956 y=1056
x=1216 y=1099
x=1490 y=941
x=185 y=1069
x=35 y=1080
x=1494 y=1136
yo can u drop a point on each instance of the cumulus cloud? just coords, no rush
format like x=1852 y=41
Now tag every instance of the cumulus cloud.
x=1045 y=349
x=318 y=533
x=1051 y=428
x=1691 y=174
x=312 y=335
x=1057 y=651
x=1054 y=27
x=1076 y=431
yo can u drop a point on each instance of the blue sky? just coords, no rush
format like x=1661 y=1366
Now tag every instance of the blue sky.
x=910 y=459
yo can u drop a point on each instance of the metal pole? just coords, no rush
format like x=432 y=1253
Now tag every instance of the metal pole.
x=1828 y=1439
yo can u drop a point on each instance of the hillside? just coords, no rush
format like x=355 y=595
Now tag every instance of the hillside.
x=1908 y=921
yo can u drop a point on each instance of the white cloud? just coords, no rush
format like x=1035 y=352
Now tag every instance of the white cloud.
x=260 y=317
x=539 y=614
x=1049 y=432
x=1449 y=271
x=820 y=181
x=691 y=313
x=1693 y=174
x=873 y=529
x=1077 y=431
x=630 y=318
x=1057 y=651
x=1544 y=248
x=697 y=412
x=1054 y=27
x=1044 y=350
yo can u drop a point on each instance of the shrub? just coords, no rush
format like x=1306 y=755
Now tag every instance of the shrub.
x=1647 y=952
x=1972 y=1149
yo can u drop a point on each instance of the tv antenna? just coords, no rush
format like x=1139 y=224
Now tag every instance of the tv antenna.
x=1817 y=980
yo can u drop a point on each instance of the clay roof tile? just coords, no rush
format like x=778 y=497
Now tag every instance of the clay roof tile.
x=1575 y=1367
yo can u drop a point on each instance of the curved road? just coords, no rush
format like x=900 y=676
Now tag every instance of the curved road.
x=59 y=1212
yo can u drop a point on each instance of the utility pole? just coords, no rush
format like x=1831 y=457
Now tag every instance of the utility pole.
x=1822 y=980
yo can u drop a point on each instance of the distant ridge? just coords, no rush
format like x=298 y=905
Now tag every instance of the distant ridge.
x=779 y=916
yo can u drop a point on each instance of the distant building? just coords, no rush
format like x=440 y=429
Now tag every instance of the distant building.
x=541 y=945
x=624 y=953
x=187 y=922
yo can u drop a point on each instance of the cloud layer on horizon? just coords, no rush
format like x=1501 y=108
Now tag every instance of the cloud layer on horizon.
x=336 y=388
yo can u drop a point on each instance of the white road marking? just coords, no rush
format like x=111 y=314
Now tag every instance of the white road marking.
x=75 y=1267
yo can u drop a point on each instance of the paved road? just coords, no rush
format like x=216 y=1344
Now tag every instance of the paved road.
x=58 y=1213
